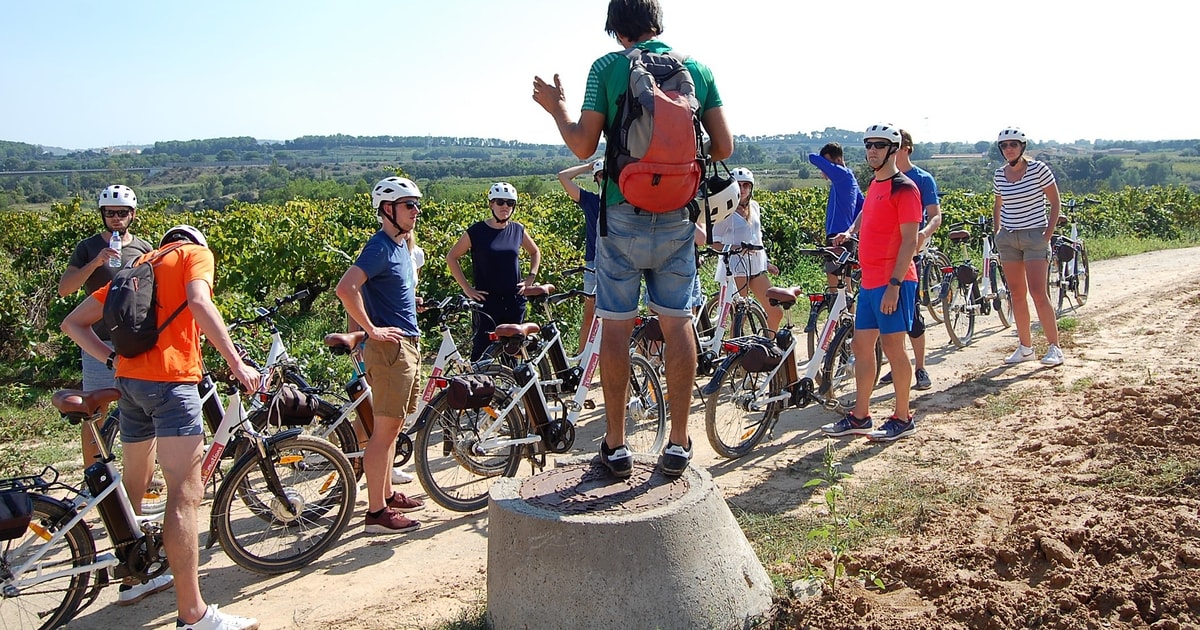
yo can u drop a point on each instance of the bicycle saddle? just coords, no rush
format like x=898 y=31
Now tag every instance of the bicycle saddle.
x=959 y=236
x=80 y=404
x=516 y=330
x=345 y=341
x=784 y=298
x=1062 y=220
x=538 y=290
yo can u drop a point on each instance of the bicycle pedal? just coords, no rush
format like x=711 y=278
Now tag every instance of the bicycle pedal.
x=588 y=403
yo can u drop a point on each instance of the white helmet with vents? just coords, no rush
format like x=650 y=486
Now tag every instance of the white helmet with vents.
x=393 y=188
x=502 y=190
x=118 y=195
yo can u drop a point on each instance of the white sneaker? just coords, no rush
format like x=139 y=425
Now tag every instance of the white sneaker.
x=399 y=476
x=134 y=593
x=1022 y=354
x=214 y=620
x=1054 y=356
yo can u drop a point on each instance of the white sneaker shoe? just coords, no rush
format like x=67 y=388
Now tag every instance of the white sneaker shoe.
x=1022 y=354
x=133 y=593
x=1054 y=356
x=399 y=476
x=214 y=620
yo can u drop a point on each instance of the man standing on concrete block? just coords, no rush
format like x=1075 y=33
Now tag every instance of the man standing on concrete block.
x=656 y=246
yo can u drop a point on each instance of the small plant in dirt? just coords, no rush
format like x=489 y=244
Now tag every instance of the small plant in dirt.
x=837 y=530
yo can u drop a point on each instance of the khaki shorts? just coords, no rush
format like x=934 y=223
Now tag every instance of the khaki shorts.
x=1022 y=245
x=392 y=371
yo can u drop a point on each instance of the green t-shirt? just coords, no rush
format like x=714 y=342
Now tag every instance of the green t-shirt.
x=609 y=79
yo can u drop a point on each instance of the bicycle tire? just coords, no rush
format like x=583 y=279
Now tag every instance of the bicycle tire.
x=733 y=428
x=1064 y=287
x=1003 y=302
x=52 y=603
x=1083 y=279
x=651 y=350
x=646 y=409
x=958 y=312
x=254 y=526
x=342 y=435
x=1054 y=276
x=154 y=500
x=455 y=476
x=932 y=278
x=837 y=377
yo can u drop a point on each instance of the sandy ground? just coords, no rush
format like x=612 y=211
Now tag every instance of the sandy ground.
x=1045 y=541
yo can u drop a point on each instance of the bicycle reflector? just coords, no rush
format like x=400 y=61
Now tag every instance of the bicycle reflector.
x=730 y=347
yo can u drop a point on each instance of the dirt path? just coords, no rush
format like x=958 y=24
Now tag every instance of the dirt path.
x=1043 y=532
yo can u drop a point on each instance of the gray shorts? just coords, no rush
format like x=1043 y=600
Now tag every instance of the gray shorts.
x=151 y=409
x=1022 y=245
x=96 y=374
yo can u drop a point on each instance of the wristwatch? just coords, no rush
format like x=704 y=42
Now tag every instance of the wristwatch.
x=894 y=282
x=112 y=356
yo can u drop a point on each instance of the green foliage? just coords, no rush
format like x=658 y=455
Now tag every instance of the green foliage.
x=838 y=528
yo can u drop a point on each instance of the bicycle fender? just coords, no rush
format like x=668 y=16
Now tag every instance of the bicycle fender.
x=245 y=460
x=714 y=385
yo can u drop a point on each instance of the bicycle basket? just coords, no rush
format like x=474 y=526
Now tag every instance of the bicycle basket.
x=470 y=391
x=761 y=357
x=291 y=407
x=1065 y=252
x=966 y=273
x=16 y=510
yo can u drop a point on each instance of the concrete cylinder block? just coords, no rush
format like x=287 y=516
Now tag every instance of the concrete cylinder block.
x=573 y=547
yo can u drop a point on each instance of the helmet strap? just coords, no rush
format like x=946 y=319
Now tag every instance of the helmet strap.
x=891 y=151
x=392 y=219
x=502 y=222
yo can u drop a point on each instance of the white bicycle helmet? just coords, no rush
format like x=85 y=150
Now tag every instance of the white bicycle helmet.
x=118 y=195
x=741 y=174
x=720 y=196
x=393 y=188
x=184 y=233
x=597 y=166
x=1012 y=133
x=883 y=131
x=503 y=190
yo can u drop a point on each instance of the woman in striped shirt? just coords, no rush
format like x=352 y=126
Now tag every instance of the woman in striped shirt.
x=1023 y=187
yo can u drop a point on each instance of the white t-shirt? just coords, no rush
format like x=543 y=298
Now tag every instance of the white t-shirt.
x=737 y=230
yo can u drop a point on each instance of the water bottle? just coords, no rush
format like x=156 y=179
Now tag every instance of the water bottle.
x=115 y=243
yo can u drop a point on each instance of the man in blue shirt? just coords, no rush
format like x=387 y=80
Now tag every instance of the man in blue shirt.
x=845 y=197
x=379 y=294
x=589 y=202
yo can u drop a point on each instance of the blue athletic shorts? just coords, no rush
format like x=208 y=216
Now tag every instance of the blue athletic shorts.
x=868 y=316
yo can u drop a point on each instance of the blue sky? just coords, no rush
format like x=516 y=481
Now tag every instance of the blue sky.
x=81 y=74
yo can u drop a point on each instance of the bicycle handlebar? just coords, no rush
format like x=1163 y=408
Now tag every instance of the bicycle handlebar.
x=265 y=314
x=573 y=293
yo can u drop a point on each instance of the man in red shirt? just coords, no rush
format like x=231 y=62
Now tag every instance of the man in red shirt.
x=889 y=222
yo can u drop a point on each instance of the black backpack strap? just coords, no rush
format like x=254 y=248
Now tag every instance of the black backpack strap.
x=159 y=254
x=173 y=316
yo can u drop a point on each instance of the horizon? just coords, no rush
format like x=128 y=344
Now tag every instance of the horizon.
x=83 y=75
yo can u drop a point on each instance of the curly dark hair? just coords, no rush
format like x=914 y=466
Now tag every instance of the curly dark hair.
x=632 y=19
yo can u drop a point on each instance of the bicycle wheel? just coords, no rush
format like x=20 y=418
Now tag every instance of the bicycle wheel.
x=707 y=321
x=154 y=500
x=1064 y=286
x=815 y=324
x=1054 y=277
x=646 y=411
x=650 y=345
x=455 y=472
x=1003 y=300
x=52 y=602
x=958 y=311
x=322 y=426
x=733 y=419
x=1083 y=281
x=272 y=532
x=837 y=378
x=931 y=279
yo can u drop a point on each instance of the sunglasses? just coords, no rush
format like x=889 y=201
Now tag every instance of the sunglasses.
x=1010 y=144
x=116 y=213
x=511 y=203
x=877 y=145
x=411 y=205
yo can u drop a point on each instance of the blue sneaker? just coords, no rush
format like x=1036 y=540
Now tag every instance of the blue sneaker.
x=848 y=426
x=893 y=429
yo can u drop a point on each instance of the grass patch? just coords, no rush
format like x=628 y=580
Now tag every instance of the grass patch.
x=471 y=618
x=998 y=406
x=1169 y=476
x=1105 y=247
x=1075 y=386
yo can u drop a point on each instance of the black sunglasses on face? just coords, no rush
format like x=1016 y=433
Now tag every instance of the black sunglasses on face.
x=511 y=203
x=116 y=213
x=877 y=145
x=411 y=205
x=1010 y=144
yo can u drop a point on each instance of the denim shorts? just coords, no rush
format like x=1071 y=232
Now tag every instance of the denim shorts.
x=1022 y=245
x=868 y=315
x=658 y=247
x=151 y=409
x=589 y=278
x=96 y=374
